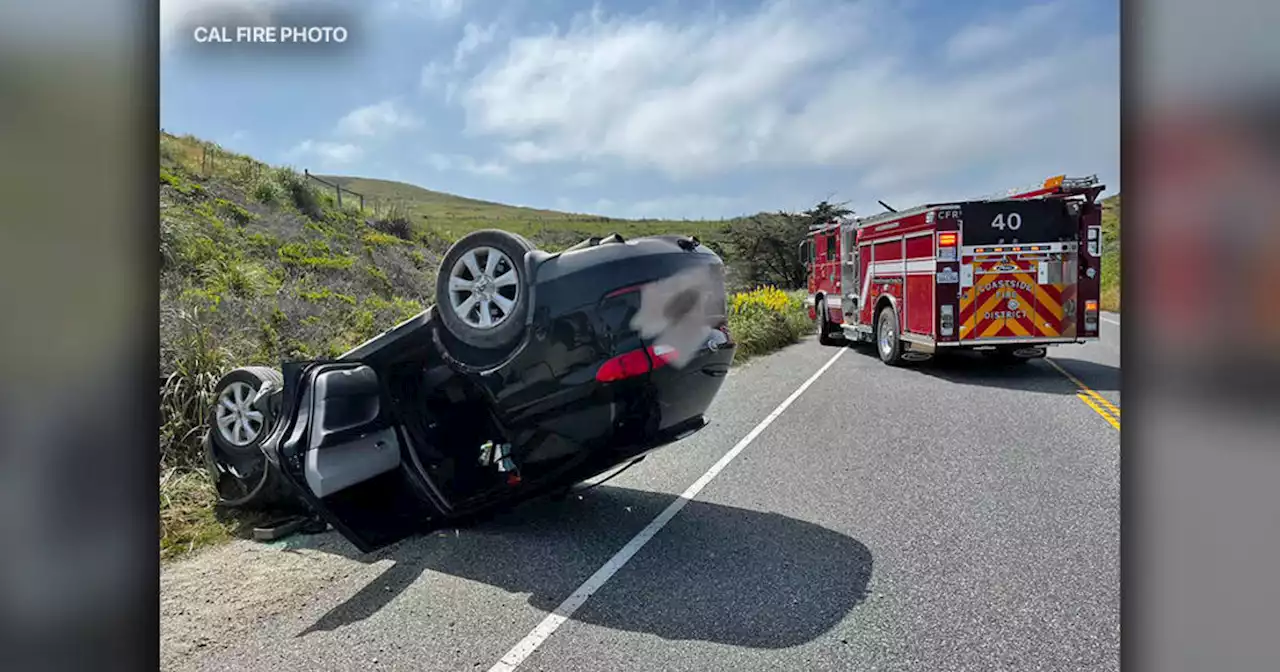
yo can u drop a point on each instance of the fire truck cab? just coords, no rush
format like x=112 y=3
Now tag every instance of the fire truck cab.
x=1010 y=274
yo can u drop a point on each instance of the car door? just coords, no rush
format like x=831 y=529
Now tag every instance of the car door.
x=345 y=454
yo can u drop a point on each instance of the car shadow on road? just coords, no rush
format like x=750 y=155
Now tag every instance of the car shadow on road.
x=1037 y=375
x=714 y=573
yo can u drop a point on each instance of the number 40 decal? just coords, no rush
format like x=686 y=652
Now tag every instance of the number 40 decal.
x=1013 y=223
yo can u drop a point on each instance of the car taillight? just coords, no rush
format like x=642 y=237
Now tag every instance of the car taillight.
x=635 y=363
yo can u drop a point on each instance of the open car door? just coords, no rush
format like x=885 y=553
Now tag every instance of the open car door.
x=346 y=455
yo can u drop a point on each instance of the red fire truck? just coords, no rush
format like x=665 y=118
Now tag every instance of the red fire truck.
x=1010 y=274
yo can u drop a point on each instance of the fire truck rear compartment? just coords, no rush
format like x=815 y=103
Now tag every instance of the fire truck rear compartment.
x=1019 y=295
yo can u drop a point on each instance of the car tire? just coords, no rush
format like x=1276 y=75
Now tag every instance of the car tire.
x=824 y=326
x=248 y=483
x=241 y=385
x=888 y=344
x=488 y=264
x=241 y=472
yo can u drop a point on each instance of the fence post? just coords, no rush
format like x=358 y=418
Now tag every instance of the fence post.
x=339 y=190
x=361 y=202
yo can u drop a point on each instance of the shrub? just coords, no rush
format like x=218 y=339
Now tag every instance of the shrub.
x=266 y=191
x=234 y=211
x=766 y=319
x=395 y=222
x=187 y=393
x=376 y=238
x=303 y=196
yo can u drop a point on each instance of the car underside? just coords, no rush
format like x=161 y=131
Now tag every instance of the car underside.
x=437 y=419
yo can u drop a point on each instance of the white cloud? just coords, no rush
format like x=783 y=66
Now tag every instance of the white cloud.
x=434 y=74
x=582 y=178
x=440 y=10
x=327 y=154
x=692 y=206
x=800 y=84
x=474 y=38
x=990 y=37
x=377 y=119
x=462 y=162
x=444 y=77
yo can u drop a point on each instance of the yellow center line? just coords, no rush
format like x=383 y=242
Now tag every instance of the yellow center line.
x=1095 y=401
x=1086 y=399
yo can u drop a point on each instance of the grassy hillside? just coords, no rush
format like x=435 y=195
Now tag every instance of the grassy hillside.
x=1111 y=253
x=453 y=216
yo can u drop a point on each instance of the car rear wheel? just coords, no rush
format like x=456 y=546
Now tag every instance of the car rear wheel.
x=887 y=342
x=482 y=294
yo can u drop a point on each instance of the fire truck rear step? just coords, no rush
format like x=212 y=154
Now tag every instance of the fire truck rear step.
x=858 y=332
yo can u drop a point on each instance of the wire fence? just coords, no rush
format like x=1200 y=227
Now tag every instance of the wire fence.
x=338 y=189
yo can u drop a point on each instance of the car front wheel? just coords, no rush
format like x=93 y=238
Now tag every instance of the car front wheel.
x=238 y=424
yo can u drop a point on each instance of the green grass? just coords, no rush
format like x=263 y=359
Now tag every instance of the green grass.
x=1110 y=298
x=452 y=217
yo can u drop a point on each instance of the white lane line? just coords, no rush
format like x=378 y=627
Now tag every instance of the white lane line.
x=535 y=638
x=1107 y=319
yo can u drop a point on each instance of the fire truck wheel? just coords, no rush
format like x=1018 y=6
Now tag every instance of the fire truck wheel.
x=887 y=342
x=825 y=336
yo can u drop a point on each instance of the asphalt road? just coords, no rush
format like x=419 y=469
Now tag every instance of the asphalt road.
x=948 y=515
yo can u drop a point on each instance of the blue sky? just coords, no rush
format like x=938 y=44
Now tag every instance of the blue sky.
x=672 y=109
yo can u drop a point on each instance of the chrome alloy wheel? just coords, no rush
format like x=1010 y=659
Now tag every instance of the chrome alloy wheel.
x=238 y=422
x=484 y=296
x=887 y=337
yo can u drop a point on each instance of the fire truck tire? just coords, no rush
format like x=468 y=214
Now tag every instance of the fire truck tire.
x=825 y=336
x=888 y=344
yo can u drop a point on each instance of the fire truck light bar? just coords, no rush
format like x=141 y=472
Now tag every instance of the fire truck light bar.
x=1080 y=182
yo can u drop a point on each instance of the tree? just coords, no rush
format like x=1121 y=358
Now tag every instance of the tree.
x=764 y=249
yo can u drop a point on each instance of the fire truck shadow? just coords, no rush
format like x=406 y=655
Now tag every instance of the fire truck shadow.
x=1036 y=375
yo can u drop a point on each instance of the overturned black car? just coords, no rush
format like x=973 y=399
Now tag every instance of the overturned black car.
x=532 y=372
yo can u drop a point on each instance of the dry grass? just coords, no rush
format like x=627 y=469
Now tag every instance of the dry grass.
x=188 y=519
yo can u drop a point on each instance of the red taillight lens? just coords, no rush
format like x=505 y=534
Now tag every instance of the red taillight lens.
x=635 y=363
